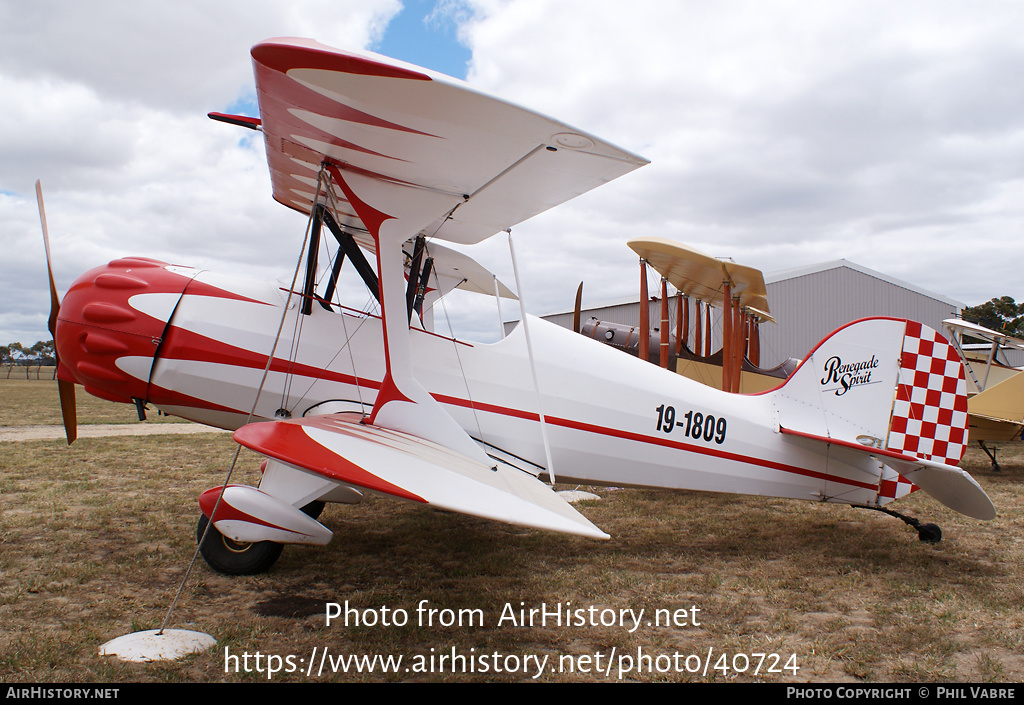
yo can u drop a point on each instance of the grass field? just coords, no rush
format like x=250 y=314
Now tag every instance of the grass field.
x=96 y=537
x=32 y=402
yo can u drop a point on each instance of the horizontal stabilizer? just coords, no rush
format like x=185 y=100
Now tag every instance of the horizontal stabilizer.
x=951 y=486
x=947 y=483
x=405 y=466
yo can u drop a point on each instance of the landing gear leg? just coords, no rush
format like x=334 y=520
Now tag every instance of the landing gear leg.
x=929 y=533
x=991 y=455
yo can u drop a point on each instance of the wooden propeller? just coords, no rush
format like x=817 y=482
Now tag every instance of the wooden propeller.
x=65 y=389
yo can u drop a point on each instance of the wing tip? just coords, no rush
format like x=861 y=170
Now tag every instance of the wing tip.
x=284 y=54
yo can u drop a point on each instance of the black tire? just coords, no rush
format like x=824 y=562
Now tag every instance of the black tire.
x=234 y=557
x=929 y=533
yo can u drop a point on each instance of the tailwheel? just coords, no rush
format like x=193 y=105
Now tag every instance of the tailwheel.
x=929 y=533
x=231 y=557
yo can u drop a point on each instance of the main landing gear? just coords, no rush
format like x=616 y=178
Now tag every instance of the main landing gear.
x=929 y=533
x=231 y=557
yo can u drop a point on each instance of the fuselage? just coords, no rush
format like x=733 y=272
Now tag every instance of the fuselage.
x=195 y=344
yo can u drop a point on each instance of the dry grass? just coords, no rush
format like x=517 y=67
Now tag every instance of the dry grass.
x=32 y=402
x=97 y=537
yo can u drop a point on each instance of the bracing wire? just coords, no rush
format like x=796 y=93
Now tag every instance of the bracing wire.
x=252 y=410
x=458 y=358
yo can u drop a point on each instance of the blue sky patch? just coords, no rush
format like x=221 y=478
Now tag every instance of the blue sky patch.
x=425 y=33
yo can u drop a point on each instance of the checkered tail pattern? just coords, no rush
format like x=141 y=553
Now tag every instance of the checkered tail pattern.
x=929 y=417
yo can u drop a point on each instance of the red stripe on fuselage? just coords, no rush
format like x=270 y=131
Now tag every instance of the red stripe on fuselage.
x=183 y=344
x=641 y=438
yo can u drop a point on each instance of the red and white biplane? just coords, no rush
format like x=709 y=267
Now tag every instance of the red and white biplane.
x=395 y=160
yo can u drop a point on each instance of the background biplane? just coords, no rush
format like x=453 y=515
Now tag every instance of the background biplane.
x=391 y=160
x=995 y=388
x=702 y=283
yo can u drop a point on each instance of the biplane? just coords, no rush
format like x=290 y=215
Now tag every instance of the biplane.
x=389 y=162
x=702 y=283
x=995 y=388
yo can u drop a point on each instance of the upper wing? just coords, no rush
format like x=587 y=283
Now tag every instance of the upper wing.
x=701 y=276
x=972 y=329
x=400 y=124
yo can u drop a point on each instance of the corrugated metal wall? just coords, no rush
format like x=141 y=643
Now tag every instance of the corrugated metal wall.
x=811 y=306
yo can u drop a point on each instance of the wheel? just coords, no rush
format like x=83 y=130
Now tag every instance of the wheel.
x=235 y=557
x=314 y=509
x=929 y=533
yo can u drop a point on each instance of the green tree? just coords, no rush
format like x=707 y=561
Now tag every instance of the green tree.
x=18 y=356
x=42 y=351
x=1002 y=314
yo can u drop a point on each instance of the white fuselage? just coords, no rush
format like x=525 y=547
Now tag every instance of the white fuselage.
x=611 y=418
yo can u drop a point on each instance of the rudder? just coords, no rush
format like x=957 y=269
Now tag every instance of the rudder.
x=929 y=417
x=895 y=390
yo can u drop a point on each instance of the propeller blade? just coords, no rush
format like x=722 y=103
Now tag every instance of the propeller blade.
x=68 y=409
x=577 y=308
x=54 y=299
x=66 y=390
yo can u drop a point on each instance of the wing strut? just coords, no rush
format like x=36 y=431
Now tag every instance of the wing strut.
x=421 y=290
x=402 y=404
x=414 y=274
x=533 y=367
x=348 y=248
x=309 y=287
x=351 y=250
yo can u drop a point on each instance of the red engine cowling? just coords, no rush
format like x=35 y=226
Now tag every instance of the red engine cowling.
x=99 y=331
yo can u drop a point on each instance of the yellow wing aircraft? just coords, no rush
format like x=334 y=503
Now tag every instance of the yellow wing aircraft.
x=996 y=403
x=709 y=283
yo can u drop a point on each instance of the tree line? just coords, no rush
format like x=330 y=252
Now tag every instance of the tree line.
x=1002 y=314
x=39 y=355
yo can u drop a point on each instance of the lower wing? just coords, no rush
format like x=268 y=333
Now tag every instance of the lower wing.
x=381 y=460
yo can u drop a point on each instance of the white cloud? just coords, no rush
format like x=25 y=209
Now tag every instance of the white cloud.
x=780 y=133
x=788 y=133
x=106 y=103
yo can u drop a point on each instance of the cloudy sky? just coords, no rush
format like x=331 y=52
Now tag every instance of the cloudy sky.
x=780 y=134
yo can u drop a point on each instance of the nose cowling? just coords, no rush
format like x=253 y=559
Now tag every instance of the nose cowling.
x=104 y=343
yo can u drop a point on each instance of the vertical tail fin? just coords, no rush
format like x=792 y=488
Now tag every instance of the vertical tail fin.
x=895 y=390
x=884 y=383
